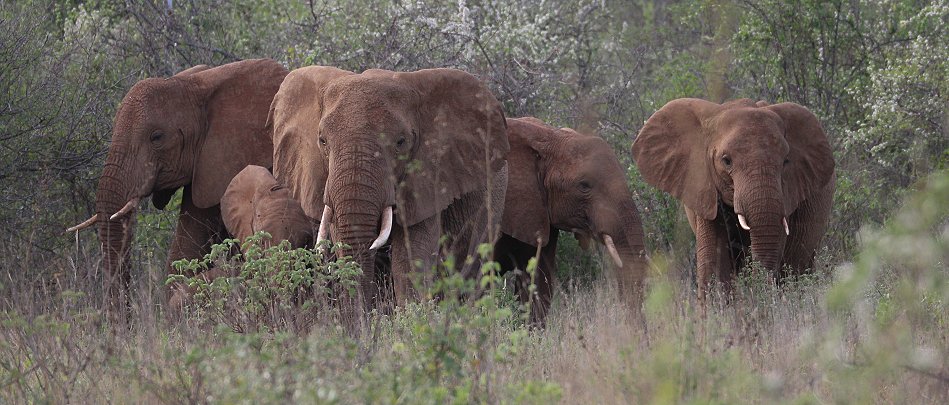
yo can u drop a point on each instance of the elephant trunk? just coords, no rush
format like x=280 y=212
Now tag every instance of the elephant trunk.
x=632 y=252
x=358 y=209
x=115 y=235
x=763 y=212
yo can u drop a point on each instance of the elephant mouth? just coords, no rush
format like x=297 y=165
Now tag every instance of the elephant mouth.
x=129 y=207
x=385 y=229
x=743 y=222
x=584 y=237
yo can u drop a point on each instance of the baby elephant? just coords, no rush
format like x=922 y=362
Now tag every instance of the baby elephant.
x=254 y=202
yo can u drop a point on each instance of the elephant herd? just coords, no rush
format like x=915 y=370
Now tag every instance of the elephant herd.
x=424 y=165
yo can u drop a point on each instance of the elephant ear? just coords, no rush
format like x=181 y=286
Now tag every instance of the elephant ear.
x=671 y=152
x=235 y=98
x=192 y=70
x=526 y=217
x=810 y=160
x=240 y=198
x=461 y=143
x=295 y=115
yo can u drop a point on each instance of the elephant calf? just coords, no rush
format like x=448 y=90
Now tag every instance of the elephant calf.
x=562 y=180
x=255 y=202
x=754 y=178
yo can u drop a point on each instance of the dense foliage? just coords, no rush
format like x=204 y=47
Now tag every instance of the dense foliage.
x=876 y=72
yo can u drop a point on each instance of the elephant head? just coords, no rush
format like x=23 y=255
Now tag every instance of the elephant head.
x=752 y=162
x=366 y=152
x=196 y=130
x=255 y=202
x=563 y=180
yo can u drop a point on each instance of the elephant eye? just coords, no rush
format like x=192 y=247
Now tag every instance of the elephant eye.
x=400 y=142
x=727 y=160
x=155 y=136
x=322 y=140
x=786 y=161
x=585 y=185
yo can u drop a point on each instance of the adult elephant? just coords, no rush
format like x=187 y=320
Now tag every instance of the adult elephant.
x=750 y=175
x=195 y=130
x=561 y=180
x=406 y=157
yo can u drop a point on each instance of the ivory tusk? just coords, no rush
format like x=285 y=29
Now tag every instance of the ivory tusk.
x=87 y=223
x=129 y=206
x=741 y=221
x=610 y=247
x=787 y=230
x=324 y=224
x=385 y=231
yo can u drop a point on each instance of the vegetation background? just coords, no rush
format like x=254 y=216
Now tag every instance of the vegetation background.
x=872 y=324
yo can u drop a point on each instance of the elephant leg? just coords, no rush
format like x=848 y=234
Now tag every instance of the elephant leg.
x=472 y=220
x=197 y=230
x=514 y=255
x=807 y=226
x=545 y=280
x=414 y=252
x=712 y=255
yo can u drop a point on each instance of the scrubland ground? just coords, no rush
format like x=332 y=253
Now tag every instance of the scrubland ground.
x=874 y=330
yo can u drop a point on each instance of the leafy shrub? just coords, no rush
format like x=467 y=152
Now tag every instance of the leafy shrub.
x=269 y=287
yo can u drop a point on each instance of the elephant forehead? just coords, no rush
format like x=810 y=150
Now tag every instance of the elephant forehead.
x=750 y=128
x=130 y=115
x=757 y=119
x=370 y=90
x=593 y=146
x=152 y=102
x=354 y=118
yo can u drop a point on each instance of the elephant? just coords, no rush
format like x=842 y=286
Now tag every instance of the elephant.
x=255 y=202
x=752 y=177
x=196 y=130
x=560 y=179
x=406 y=157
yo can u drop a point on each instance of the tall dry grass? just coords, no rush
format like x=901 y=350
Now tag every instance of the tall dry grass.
x=872 y=331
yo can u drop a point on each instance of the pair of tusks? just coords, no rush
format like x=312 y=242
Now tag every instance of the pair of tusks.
x=376 y=244
x=129 y=206
x=744 y=225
